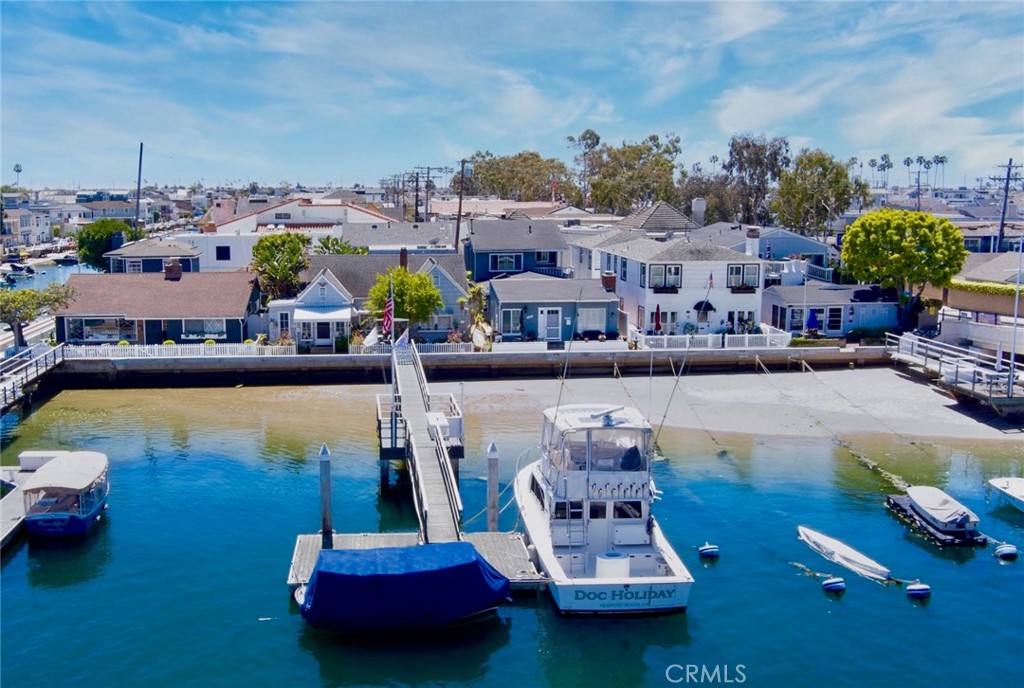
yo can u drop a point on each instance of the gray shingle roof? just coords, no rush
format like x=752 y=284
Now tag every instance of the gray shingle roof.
x=646 y=249
x=359 y=273
x=154 y=248
x=399 y=233
x=825 y=293
x=512 y=235
x=999 y=267
x=534 y=288
x=149 y=295
x=660 y=217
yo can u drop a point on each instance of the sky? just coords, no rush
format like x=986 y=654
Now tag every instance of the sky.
x=339 y=93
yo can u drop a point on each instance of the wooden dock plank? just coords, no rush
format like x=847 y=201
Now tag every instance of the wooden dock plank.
x=507 y=552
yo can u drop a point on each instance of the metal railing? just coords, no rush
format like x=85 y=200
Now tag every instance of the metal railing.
x=954 y=365
x=35 y=363
x=770 y=337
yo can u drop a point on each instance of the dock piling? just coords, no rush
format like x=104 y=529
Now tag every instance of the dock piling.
x=492 y=487
x=326 y=527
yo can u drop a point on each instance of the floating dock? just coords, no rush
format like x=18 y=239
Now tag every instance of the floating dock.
x=425 y=430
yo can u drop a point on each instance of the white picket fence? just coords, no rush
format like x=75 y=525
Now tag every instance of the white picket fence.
x=175 y=351
x=442 y=348
x=770 y=338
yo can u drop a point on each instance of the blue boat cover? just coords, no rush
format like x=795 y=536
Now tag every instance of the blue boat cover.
x=397 y=588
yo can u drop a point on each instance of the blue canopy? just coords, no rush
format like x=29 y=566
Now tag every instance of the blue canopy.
x=398 y=588
x=812 y=320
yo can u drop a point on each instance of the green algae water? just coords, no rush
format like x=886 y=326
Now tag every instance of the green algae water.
x=183 y=583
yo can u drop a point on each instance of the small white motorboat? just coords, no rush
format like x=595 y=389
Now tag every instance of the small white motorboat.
x=1012 y=489
x=840 y=553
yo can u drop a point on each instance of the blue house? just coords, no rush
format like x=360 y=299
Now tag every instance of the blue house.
x=509 y=247
x=538 y=307
x=151 y=255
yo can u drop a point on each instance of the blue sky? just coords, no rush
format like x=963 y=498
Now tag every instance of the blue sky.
x=343 y=93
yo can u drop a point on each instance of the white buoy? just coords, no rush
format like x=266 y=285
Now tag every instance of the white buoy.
x=708 y=551
x=918 y=590
x=1007 y=552
x=833 y=584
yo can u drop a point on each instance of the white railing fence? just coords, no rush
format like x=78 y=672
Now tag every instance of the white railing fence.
x=175 y=351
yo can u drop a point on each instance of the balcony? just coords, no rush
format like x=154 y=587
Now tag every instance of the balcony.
x=743 y=289
x=564 y=273
x=665 y=290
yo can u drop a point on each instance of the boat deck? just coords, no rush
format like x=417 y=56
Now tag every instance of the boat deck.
x=12 y=508
x=504 y=551
x=901 y=505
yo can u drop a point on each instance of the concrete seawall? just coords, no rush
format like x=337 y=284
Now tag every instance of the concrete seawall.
x=334 y=369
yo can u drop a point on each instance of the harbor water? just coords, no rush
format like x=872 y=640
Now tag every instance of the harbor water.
x=183 y=583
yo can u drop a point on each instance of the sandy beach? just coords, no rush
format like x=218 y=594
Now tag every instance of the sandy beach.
x=828 y=404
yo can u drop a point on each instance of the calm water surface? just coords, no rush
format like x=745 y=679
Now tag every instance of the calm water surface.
x=184 y=582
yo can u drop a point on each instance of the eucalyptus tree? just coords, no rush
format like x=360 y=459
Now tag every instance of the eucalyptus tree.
x=586 y=159
x=815 y=192
x=635 y=175
x=755 y=164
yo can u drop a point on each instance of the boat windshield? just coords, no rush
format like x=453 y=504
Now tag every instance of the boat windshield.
x=603 y=449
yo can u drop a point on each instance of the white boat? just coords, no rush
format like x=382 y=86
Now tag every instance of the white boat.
x=840 y=553
x=942 y=512
x=585 y=505
x=66 y=494
x=1012 y=489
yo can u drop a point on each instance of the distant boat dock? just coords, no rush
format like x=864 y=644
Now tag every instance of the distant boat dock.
x=424 y=430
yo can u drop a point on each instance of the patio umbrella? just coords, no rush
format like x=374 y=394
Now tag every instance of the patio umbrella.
x=657 y=318
x=812 y=320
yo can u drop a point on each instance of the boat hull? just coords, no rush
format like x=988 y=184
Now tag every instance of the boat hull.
x=903 y=506
x=62 y=525
x=1012 y=489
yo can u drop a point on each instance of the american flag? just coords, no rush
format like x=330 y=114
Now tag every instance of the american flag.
x=389 y=314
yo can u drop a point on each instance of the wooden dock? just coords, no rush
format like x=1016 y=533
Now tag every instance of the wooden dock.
x=19 y=374
x=504 y=551
x=12 y=507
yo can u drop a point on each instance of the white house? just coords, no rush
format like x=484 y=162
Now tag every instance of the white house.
x=319 y=315
x=300 y=214
x=677 y=284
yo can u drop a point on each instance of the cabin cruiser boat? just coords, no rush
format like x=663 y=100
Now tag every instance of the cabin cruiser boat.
x=585 y=505
x=66 y=494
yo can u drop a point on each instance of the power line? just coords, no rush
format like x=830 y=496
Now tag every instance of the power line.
x=1010 y=175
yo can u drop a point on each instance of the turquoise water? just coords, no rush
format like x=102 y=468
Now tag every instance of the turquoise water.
x=49 y=273
x=184 y=582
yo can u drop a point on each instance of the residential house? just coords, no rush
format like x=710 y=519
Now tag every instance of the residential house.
x=833 y=310
x=150 y=308
x=359 y=274
x=658 y=219
x=506 y=247
x=299 y=214
x=151 y=255
x=123 y=211
x=683 y=286
x=320 y=315
x=530 y=306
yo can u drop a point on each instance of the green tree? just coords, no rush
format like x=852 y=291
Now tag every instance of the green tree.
x=635 y=175
x=755 y=163
x=722 y=197
x=587 y=160
x=18 y=307
x=814 y=192
x=524 y=176
x=476 y=301
x=97 y=238
x=416 y=297
x=278 y=259
x=330 y=245
x=903 y=249
x=18 y=169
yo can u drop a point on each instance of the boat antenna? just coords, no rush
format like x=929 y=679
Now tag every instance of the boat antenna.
x=568 y=350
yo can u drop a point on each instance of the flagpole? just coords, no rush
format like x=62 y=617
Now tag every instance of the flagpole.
x=391 y=300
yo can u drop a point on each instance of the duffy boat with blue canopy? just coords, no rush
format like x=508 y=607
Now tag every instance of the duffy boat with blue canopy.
x=400 y=588
x=67 y=493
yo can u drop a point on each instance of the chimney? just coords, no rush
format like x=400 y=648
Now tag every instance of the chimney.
x=172 y=270
x=403 y=258
x=608 y=281
x=753 y=242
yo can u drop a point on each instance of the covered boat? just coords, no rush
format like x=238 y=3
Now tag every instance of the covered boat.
x=840 y=553
x=939 y=516
x=585 y=505
x=400 y=588
x=1012 y=489
x=66 y=494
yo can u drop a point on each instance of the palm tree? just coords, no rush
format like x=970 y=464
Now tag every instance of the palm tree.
x=927 y=166
x=908 y=161
x=941 y=160
x=714 y=162
x=872 y=163
x=885 y=164
x=17 y=171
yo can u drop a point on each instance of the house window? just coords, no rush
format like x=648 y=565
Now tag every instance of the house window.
x=607 y=262
x=283 y=324
x=507 y=262
x=591 y=319
x=436 y=279
x=796 y=319
x=443 y=321
x=622 y=269
x=323 y=291
x=546 y=259
x=203 y=328
x=282 y=216
x=305 y=331
x=511 y=321
x=133 y=266
x=223 y=252
x=666 y=276
x=643 y=274
x=742 y=276
x=835 y=319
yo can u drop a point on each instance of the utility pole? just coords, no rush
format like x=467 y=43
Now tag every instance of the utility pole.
x=918 y=175
x=441 y=171
x=462 y=187
x=1010 y=175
